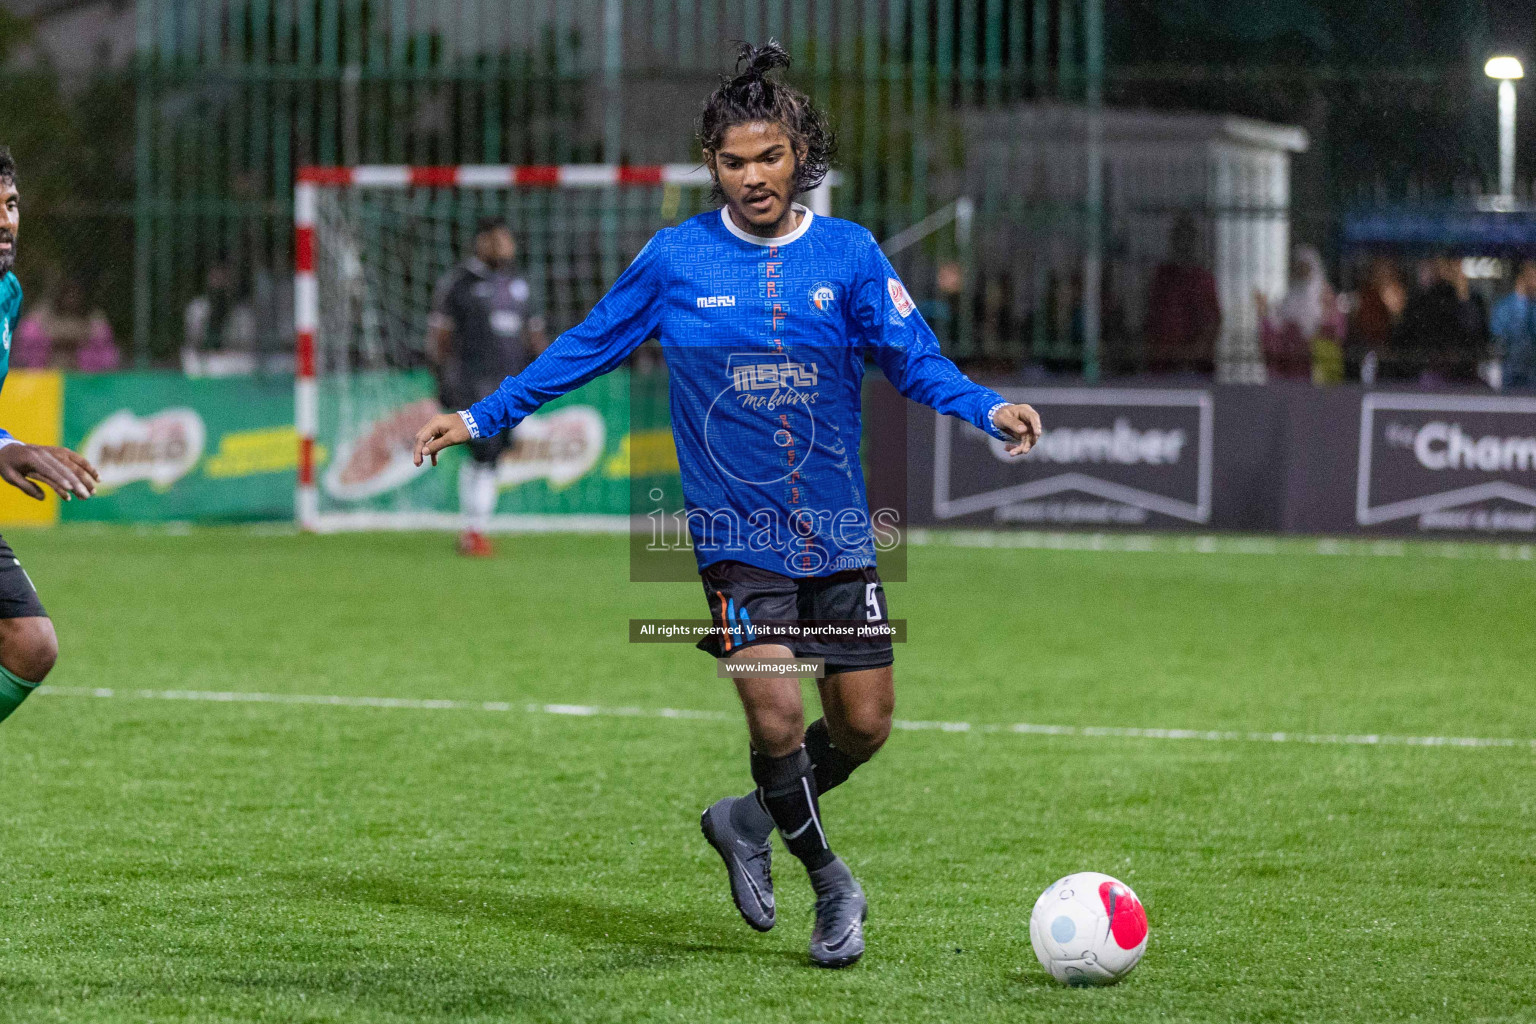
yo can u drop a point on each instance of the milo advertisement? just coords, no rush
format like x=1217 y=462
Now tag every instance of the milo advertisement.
x=172 y=448
x=575 y=456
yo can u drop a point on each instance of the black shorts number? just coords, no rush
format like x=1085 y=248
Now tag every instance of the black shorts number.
x=748 y=604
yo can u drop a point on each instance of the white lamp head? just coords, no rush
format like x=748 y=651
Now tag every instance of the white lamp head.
x=1504 y=68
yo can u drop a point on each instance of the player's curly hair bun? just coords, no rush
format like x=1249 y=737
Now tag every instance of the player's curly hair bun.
x=759 y=60
x=752 y=96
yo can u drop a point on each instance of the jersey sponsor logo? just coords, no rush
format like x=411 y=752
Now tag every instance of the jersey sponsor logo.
x=823 y=296
x=714 y=301
x=903 y=301
x=5 y=323
x=767 y=376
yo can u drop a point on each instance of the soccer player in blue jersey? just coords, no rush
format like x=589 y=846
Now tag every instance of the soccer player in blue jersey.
x=766 y=314
x=28 y=645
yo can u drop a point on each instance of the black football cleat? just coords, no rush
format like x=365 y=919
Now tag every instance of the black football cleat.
x=748 y=865
x=838 y=938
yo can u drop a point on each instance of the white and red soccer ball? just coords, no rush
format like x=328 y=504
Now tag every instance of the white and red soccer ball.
x=1088 y=929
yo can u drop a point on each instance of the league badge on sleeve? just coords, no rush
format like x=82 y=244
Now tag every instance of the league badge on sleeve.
x=899 y=296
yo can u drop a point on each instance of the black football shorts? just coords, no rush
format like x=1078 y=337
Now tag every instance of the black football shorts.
x=486 y=450
x=749 y=604
x=18 y=597
x=454 y=395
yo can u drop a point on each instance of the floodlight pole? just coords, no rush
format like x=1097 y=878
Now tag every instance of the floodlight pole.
x=1507 y=140
x=1506 y=70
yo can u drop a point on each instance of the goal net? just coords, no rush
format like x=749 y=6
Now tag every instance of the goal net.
x=371 y=244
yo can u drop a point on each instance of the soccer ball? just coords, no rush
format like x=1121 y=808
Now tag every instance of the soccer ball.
x=1088 y=929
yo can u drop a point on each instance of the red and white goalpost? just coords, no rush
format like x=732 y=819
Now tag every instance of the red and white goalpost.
x=370 y=243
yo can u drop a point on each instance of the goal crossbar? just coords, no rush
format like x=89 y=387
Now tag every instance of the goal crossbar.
x=312 y=182
x=309 y=183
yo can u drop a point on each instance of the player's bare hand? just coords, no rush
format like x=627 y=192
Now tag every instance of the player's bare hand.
x=70 y=475
x=1020 y=422
x=442 y=431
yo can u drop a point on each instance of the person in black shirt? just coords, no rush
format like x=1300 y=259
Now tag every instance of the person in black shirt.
x=1444 y=327
x=481 y=331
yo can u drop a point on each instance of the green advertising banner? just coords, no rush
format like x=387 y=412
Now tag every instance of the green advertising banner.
x=576 y=456
x=173 y=448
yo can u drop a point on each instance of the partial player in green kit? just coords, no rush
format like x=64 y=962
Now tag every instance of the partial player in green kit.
x=28 y=644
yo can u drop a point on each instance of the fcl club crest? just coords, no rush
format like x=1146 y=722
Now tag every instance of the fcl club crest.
x=823 y=297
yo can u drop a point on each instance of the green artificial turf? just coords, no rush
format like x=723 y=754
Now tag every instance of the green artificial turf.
x=197 y=860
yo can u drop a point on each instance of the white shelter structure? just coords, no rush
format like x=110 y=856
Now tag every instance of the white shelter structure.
x=1026 y=169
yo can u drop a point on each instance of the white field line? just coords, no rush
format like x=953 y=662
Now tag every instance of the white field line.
x=1160 y=543
x=598 y=711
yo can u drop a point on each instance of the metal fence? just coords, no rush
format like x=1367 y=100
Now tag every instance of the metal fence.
x=233 y=95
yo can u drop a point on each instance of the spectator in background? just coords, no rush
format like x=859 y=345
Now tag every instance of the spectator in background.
x=942 y=310
x=1300 y=338
x=1409 y=357
x=272 y=313
x=65 y=333
x=1513 y=325
x=218 y=321
x=1445 y=326
x=1183 y=312
x=1378 y=312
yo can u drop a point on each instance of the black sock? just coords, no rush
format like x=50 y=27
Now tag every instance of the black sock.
x=788 y=787
x=833 y=766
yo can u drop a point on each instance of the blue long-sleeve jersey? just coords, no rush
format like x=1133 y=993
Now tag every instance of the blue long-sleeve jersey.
x=765 y=341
